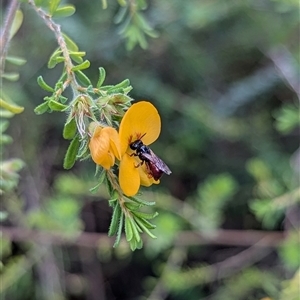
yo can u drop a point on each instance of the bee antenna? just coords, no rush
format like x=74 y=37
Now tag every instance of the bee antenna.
x=143 y=135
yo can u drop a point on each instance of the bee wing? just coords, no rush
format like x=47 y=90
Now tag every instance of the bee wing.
x=153 y=158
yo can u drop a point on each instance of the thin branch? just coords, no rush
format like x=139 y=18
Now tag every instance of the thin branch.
x=239 y=261
x=286 y=64
x=61 y=42
x=240 y=238
x=184 y=238
x=210 y=273
x=4 y=40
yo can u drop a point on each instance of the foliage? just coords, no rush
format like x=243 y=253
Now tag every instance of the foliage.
x=223 y=76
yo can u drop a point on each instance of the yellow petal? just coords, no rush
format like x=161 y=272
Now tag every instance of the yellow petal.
x=146 y=178
x=115 y=145
x=129 y=177
x=141 y=118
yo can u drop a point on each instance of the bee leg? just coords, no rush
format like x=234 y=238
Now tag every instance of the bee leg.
x=134 y=154
x=139 y=164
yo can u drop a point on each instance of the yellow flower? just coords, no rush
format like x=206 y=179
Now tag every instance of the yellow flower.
x=104 y=145
x=141 y=121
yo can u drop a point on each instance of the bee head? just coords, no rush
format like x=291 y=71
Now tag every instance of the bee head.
x=136 y=144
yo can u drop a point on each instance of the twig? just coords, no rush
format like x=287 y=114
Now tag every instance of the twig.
x=4 y=41
x=184 y=238
x=286 y=64
x=61 y=42
x=207 y=274
x=228 y=237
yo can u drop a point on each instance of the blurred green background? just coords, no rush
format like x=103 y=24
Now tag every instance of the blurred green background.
x=224 y=76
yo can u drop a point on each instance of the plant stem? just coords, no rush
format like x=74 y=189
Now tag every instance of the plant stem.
x=113 y=180
x=5 y=34
x=61 y=42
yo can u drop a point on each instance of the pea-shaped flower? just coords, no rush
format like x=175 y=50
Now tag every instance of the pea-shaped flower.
x=140 y=126
x=104 y=145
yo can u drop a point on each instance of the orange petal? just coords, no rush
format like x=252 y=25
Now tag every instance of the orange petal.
x=115 y=145
x=129 y=177
x=100 y=148
x=107 y=161
x=99 y=145
x=141 y=118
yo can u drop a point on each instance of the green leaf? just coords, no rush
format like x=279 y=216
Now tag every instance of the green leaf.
x=128 y=229
x=135 y=231
x=53 y=5
x=115 y=219
x=132 y=205
x=14 y=165
x=60 y=59
x=258 y=169
x=43 y=3
x=52 y=62
x=81 y=66
x=18 y=61
x=3 y=126
x=62 y=99
x=70 y=129
x=5 y=113
x=142 y=4
x=119 y=233
x=120 y=14
x=115 y=91
x=140 y=37
x=95 y=188
x=134 y=244
x=5 y=139
x=104 y=4
x=42 y=108
x=3 y=216
x=102 y=75
x=44 y=85
x=17 y=22
x=123 y=84
x=64 y=11
x=145 y=215
x=265 y=212
x=57 y=106
x=77 y=56
x=11 y=107
x=101 y=178
x=143 y=202
x=106 y=87
x=142 y=22
x=144 y=228
x=148 y=224
x=122 y=2
x=71 y=154
x=287 y=118
x=83 y=78
x=71 y=45
x=12 y=76
x=289 y=250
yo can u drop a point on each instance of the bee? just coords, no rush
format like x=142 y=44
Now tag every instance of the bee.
x=155 y=166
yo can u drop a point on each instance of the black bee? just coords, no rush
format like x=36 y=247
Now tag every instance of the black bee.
x=156 y=167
